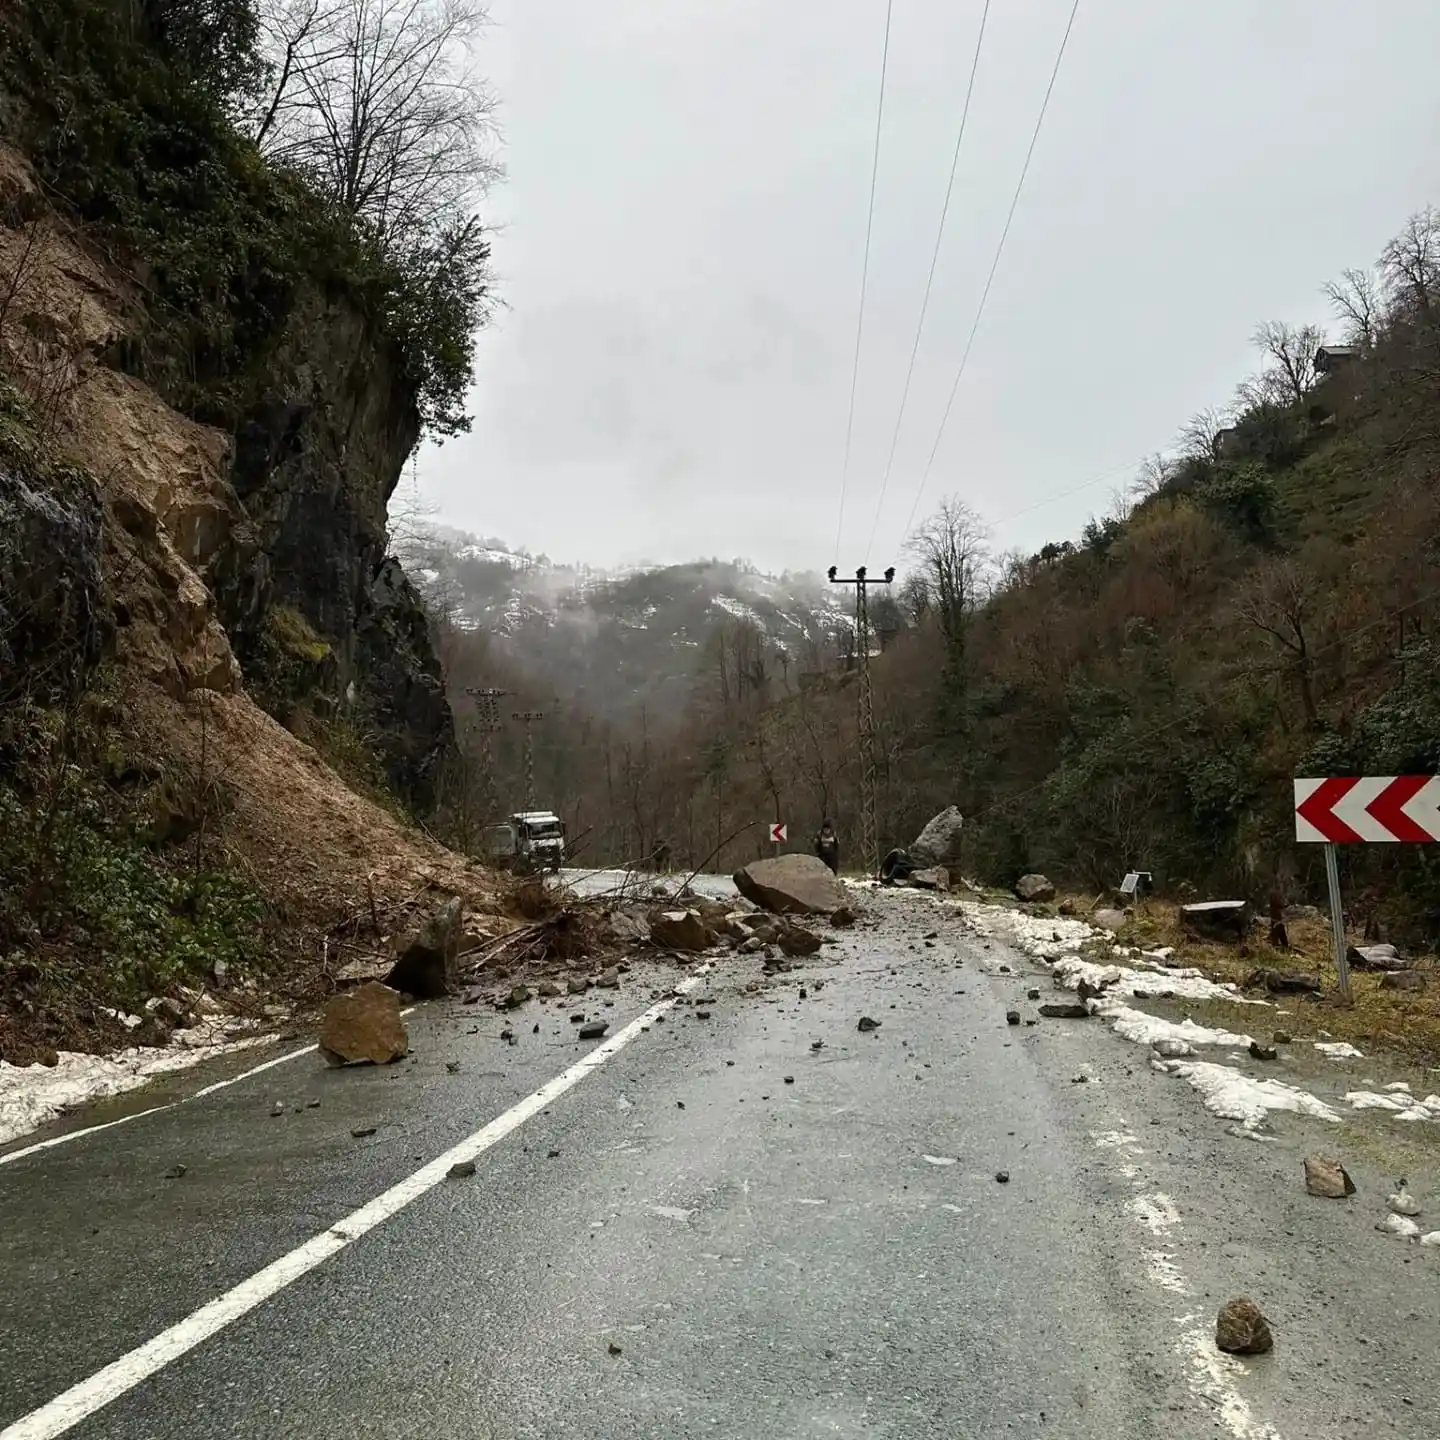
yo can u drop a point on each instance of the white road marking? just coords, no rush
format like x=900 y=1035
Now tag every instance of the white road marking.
x=69 y=1135
x=82 y=1400
x=204 y=1090
x=1209 y=1374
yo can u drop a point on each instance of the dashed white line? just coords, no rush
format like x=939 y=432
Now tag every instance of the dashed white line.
x=82 y=1400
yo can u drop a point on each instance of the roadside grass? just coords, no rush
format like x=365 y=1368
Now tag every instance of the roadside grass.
x=1403 y=1021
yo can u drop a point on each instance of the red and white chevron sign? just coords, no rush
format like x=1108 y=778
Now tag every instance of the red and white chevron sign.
x=1349 y=809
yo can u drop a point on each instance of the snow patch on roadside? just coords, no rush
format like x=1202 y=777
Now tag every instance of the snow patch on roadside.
x=1338 y=1050
x=1039 y=938
x=1401 y=1104
x=1186 y=984
x=1143 y=1028
x=33 y=1095
x=1231 y=1095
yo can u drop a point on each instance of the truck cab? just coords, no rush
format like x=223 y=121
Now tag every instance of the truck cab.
x=532 y=839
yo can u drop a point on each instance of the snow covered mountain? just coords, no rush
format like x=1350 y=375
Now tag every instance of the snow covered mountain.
x=627 y=636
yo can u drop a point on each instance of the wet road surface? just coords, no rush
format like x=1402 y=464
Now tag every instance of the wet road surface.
x=721 y=1230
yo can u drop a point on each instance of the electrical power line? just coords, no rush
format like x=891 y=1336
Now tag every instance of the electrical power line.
x=930 y=278
x=864 y=272
x=994 y=264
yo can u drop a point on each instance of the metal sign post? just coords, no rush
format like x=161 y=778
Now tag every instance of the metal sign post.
x=1370 y=809
x=1337 y=920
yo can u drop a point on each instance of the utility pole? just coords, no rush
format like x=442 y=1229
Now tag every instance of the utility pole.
x=487 y=701
x=529 y=717
x=869 y=826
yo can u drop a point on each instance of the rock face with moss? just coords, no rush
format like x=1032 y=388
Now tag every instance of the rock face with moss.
x=315 y=611
x=266 y=312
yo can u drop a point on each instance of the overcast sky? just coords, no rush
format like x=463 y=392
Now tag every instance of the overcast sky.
x=679 y=246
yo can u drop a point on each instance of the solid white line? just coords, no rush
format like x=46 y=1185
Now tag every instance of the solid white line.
x=204 y=1090
x=69 y=1135
x=80 y=1401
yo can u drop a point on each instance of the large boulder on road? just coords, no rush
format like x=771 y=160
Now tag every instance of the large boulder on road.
x=939 y=842
x=1034 y=887
x=364 y=1024
x=791 y=885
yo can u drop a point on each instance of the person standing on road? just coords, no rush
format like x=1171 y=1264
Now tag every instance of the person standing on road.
x=827 y=846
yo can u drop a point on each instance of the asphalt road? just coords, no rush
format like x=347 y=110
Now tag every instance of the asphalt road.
x=689 y=1243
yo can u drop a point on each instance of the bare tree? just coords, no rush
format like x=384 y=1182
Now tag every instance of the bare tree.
x=1355 y=298
x=1155 y=472
x=1290 y=376
x=951 y=547
x=1410 y=264
x=377 y=102
x=915 y=596
x=1200 y=436
x=1280 y=598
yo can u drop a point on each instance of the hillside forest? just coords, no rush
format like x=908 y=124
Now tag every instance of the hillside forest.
x=1261 y=604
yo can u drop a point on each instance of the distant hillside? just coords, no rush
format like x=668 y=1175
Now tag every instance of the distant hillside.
x=614 y=641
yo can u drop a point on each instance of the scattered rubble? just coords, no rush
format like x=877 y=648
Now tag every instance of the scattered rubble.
x=1282 y=982
x=1034 y=888
x=933 y=877
x=1263 y=1052
x=1327 y=1178
x=1064 y=1010
x=593 y=1030
x=842 y=917
x=1218 y=919
x=1403 y=980
x=1376 y=957
x=1240 y=1329
x=796 y=941
x=364 y=1025
x=427 y=958
x=866 y=1024
x=461 y=1170
x=681 y=930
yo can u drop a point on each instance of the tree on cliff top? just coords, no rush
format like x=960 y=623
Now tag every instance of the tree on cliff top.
x=376 y=102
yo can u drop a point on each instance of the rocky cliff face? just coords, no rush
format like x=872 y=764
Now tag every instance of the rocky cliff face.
x=264 y=547
x=313 y=464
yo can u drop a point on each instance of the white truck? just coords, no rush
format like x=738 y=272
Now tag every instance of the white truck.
x=529 y=840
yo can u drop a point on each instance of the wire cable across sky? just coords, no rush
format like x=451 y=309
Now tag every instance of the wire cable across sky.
x=994 y=266
x=929 y=279
x=864 y=273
